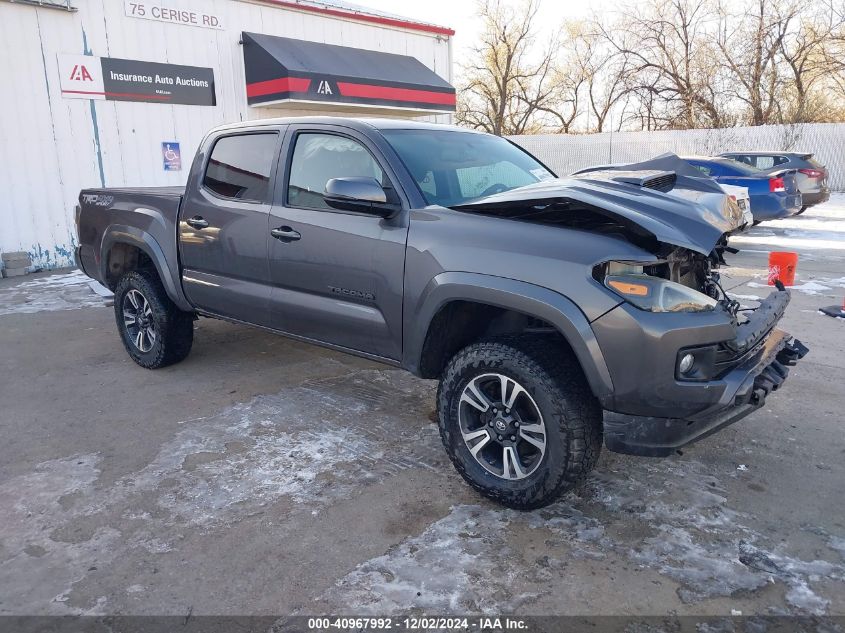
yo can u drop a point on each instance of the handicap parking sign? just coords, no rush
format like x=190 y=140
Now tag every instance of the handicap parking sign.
x=172 y=156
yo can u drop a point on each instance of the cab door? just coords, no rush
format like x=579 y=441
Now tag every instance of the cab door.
x=336 y=276
x=223 y=226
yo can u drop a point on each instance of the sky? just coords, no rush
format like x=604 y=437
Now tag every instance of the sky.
x=460 y=15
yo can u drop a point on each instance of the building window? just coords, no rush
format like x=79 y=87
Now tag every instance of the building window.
x=240 y=166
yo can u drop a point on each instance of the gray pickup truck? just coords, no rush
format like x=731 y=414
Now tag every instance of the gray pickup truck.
x=558 y=314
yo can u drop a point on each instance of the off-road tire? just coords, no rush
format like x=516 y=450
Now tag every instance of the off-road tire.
x=175 y=328
x=573 y=418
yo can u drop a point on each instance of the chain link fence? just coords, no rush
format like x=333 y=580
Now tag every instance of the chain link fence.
x=566 y=153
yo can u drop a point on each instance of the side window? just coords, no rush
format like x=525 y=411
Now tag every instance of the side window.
x=317 y=158
x=765 y=162
x=702 y=168
x=239 y=166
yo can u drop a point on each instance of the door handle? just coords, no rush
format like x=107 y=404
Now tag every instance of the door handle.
x=198 y=222
x=285 y=234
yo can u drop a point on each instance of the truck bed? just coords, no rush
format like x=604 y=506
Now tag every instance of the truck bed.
x=130 y=215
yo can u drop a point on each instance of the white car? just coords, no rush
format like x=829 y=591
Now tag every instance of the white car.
x=743 y=201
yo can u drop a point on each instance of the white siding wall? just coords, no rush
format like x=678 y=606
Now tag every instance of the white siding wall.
x=51 y=147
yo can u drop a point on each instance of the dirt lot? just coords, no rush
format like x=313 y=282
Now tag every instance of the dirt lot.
x=263 y=476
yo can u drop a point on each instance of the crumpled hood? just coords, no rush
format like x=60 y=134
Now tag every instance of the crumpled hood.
x=692 y=213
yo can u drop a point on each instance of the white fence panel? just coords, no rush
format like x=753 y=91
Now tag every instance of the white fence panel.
x=566 y=153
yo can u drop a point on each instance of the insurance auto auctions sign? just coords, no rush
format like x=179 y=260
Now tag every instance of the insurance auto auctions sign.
x=88 y=77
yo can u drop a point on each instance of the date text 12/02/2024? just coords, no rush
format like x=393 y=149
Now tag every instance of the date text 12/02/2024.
x=420 y=623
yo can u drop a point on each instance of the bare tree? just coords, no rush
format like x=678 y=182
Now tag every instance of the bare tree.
x=834 y=52
x=810 y=53
x=657 y=64
x=600 y=68
x=669 y=54
x=750 y=41
x=506 y=88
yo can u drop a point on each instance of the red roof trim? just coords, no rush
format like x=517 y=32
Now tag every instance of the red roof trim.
x=364 y=17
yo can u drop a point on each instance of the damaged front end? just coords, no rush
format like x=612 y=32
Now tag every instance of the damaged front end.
x=701 y=360
x=685 y=358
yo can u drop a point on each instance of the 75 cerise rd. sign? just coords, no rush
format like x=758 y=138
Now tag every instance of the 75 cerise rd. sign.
x=166 y=12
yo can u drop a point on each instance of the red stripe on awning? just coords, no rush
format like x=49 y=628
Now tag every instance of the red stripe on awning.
x=395 y=94
x=272 y=86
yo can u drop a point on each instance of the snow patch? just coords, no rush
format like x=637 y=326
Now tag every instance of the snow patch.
x=821 y=227
x=838 y=544
x=462 y=562
x=459 y=564
x=33 y=535
x=810 y=287
x=64 y=291
x=313 y=443
x=307 y=446
x=744 y=297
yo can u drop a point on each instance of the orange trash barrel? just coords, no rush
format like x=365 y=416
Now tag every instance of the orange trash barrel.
x=782 y=266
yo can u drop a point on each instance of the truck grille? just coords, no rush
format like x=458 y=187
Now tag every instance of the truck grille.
x=727 y=358
x=751 y=334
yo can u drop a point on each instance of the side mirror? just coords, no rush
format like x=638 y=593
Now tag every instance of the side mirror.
x=361 y=194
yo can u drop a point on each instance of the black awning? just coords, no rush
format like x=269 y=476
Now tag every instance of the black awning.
x=281 y=69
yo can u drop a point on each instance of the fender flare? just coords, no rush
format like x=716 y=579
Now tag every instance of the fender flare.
x=122 y=234
x=521 y=296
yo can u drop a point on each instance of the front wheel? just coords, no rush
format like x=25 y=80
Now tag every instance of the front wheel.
x=154 y=331
x=518 y=420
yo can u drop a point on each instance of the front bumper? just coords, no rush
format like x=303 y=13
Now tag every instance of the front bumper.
x=652 y=410
x=750 y=384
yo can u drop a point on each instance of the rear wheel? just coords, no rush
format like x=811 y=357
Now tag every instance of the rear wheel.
x=518 y=420
x=802 y=210
x=154 y=331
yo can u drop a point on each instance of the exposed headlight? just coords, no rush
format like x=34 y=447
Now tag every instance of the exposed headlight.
x=658 y=295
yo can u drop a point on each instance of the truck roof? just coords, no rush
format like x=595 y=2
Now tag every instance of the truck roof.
x=359 y=123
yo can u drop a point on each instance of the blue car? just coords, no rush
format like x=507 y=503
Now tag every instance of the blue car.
x=773 y=194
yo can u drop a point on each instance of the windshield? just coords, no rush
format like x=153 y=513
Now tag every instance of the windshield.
x=451 y=167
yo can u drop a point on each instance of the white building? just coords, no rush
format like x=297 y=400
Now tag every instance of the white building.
x=120 y=92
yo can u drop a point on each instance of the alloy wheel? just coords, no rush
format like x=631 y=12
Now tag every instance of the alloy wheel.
x=138 y=319
x=502 y=426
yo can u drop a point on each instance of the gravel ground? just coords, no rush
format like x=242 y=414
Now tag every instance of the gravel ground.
x=264 y=476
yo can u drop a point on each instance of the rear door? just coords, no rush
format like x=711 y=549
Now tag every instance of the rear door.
x=337 y=276
x=223 y=225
